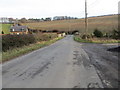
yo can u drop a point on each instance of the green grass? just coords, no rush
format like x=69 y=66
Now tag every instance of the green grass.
x=6 y=28
x=10 y=54
x=98 y=40
x=81 y=40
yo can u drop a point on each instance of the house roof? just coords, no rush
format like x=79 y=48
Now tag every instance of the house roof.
x=18 y=28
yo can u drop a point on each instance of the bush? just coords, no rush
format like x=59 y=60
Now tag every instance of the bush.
x=98 y=33
x=44 y=37
x=84 y=36
x=13 y=41
x=116 y=34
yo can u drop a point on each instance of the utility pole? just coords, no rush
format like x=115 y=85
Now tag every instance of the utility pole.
x=69 y=27
x=86 y=21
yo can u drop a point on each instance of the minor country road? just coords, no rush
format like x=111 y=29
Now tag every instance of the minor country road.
x=64 y=64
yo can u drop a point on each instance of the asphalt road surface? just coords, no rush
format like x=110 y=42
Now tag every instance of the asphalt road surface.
x=64 y=64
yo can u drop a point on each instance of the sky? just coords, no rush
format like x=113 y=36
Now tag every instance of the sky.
x=51 y=8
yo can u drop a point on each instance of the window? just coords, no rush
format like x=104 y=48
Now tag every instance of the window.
x=12 y=30
x=22 y=29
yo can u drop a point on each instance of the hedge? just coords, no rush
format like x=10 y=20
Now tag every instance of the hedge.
x=13 y=41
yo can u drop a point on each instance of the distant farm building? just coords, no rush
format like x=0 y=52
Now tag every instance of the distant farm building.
x=17 y=29
x=4 y=20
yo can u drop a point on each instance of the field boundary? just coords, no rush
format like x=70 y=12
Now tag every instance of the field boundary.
x=78 y=39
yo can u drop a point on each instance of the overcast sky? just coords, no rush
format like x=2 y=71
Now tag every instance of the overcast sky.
x=50 y=8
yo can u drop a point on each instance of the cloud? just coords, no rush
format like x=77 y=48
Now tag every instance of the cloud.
x=44 y=8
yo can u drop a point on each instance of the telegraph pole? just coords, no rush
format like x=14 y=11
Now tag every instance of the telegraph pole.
x=86 y=21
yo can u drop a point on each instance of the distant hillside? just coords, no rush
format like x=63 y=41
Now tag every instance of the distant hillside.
x=103 y=23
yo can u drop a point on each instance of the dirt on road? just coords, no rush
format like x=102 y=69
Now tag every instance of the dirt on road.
x=64 y=64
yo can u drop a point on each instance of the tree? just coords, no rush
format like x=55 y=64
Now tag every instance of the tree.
x=98 y=33
x=2 y=32
x=23 y=20
x=47 y=19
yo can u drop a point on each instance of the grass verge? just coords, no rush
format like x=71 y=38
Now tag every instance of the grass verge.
x=10 y=54
x=99 y=41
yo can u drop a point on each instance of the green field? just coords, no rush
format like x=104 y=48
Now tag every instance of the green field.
x=103 y=23
x=6 y=28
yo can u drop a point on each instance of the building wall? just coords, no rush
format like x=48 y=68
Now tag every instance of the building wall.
x=26 y=32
